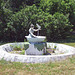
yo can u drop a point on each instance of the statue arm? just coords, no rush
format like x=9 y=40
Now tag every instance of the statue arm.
x=36 y=29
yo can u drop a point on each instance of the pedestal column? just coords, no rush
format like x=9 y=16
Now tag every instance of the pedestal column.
x=36 y=48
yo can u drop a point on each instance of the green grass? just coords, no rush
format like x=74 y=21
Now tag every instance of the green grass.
x=66 y=67
x=70 y=44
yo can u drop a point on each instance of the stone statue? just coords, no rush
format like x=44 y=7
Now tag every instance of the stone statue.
x=36 y=44
x=31 y=30
x=33 y=38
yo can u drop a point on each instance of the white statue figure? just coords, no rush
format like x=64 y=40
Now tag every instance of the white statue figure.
x=31 y=30
x=33 y=38
x=36 y=44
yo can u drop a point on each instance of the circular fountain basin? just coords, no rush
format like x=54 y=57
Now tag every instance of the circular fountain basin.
x=62 y=51
x=37 y=39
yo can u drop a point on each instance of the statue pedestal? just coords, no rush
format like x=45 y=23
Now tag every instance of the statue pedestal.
x=36 y=48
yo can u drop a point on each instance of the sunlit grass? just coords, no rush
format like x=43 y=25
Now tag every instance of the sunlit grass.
x=70 y=44
x=66 y=67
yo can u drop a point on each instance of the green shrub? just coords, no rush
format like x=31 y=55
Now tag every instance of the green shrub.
x=23 y=52
x=56 y=18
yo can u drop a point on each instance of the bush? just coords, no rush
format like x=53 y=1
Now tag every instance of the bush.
x=59 y=27
x=20 y=22
x=60 y=6
x=53 y=26
x=55 y=17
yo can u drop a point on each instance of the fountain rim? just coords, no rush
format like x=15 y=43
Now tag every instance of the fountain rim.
x=32 y=58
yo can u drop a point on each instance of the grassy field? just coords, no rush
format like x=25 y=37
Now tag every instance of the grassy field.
x=66 y=67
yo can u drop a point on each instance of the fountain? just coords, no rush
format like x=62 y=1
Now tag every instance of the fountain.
x=35 y=50
x=36 y=44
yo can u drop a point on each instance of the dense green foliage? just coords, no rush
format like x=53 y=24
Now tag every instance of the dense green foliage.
x=56 y=18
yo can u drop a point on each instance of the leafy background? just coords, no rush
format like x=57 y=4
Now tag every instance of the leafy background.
x=56 y=17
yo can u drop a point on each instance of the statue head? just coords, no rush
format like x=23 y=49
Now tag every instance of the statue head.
x=32 y=26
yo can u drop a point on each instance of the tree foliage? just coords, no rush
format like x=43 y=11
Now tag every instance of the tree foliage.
x=61 y=6
x=56 y=18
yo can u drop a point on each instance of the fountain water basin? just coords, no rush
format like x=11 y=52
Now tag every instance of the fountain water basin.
x=36 y=45
x=37 y=39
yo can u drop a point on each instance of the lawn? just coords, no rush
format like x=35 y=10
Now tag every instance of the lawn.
x=66 y=67
x=70 y=44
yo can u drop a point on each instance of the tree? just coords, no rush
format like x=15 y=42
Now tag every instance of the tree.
x=53 y=26
x=20 y=22
x=61 y=6
x=56 y=18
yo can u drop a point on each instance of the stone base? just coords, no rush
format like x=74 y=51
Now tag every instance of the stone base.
x=36 y=49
